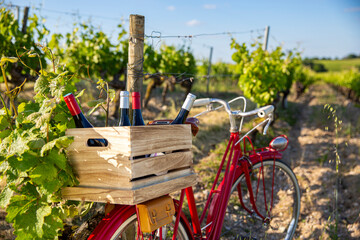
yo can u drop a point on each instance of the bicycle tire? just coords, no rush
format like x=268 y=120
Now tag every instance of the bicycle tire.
x=128 y=230
x=284 y=213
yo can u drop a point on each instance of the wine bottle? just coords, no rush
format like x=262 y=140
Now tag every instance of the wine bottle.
x=124 y=109
x=81 y=121
x=136 y=106
x=137 y=119
x=185 y=109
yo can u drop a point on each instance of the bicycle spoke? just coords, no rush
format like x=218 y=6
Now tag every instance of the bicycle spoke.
x=278 y=200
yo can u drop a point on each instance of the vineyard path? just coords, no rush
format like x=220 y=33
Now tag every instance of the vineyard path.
x=312 y=156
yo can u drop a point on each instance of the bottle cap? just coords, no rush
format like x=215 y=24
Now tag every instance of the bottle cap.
x=124 y=94
x=136 y=104
x=124 y=99
x=189 y=101
x=135 y=94
x=72 y=104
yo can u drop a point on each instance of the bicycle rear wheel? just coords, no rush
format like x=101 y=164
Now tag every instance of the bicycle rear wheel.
x=128 y=230
x=285 y=210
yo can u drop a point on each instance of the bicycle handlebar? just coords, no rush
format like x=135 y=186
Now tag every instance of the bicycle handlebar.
x=261 y=112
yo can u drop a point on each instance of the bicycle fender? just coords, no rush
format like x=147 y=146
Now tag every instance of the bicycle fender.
x=111 y=222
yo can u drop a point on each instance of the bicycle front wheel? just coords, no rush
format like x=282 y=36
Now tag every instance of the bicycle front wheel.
x=128 y=230
x=277 y=196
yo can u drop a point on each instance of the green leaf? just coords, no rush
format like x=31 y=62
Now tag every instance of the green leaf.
x=29 y=189
x=4 y=134
x=42 y=85
x=41 y=213
x=18 y=145
x=61 y=142
x=5 y=197
x=112 y=94
x=8 y=59
x=24 y=162
x=52 y=224
x=37 y=143
x=42 y=173
x=57 y=159
x=4 y=122
x=18 y=203
x=25 y=224
x=95 y=103
x=80 y=93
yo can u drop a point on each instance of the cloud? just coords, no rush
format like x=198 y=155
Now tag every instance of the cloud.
x=209 y=6
x=353 y=9
x=193 y=22
x=171 y=8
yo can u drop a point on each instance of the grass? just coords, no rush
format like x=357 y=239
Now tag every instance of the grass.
x=340 y=65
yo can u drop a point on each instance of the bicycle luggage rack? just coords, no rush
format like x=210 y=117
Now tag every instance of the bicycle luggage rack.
x=111 y=174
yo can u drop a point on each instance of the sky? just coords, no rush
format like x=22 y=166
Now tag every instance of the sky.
x=317 y=28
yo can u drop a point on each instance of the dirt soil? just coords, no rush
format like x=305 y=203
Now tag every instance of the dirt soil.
x=311 y=153
x=312 y=156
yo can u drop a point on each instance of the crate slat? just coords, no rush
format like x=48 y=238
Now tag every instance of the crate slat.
x=121 y=196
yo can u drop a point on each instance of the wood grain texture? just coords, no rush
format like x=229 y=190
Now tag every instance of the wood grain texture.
x=159 y=138
x=135 y=55
x=155 y=165
x=129 y=197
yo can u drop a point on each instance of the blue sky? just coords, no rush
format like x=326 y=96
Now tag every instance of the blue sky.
x=324 y=28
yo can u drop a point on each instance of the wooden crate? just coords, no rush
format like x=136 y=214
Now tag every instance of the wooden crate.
x=111 y=174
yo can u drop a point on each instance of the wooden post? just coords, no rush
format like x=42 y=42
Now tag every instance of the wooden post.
x=25 y=18
x=209 y=71
x=18 y=14
x=266 y=38
x=136 y=56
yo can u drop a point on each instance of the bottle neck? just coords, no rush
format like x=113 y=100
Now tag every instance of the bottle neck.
x=137 y=118
x=72 y=104
x=181 y=117
x=81 y=121
x=185 y=109
x=124 y=117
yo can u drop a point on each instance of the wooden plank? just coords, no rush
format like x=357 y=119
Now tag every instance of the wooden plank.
x=153 y=180
x=160 y=138
x=156 y=165
x=104 y=180
x=130 y=197
x=117 y=196
x=91 y=162
x=151 y=192
x=117 y=137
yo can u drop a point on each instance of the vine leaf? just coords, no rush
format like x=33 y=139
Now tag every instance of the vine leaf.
x=5 y=197
x=41 y=213
x=8 y=59
x=95 y=104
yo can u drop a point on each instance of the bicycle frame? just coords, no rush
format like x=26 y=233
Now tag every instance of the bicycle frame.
x=235 y=166
x=236 y=163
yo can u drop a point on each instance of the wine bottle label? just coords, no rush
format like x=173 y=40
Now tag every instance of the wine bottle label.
x=72 y=104
x=189 y=101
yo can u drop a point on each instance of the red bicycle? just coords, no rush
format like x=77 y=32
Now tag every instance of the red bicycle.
x=258 y=196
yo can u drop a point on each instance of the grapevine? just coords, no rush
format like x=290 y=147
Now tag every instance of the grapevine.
x=264 y=74
x=33 y=159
